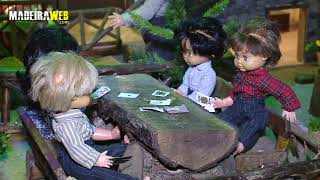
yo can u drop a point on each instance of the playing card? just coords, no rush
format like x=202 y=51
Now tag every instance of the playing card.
x=119 y=160
x=151 y=109
x=160 y=93
x=166 y=102
x=100 y=92
x=128 y=95
x=205 y=102
x=176 y=109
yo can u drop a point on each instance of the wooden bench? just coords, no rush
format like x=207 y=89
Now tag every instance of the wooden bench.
x=44 y=151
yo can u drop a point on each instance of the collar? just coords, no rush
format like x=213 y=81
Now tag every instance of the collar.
x=70 y=113
x=258 y=72
x=203 y=66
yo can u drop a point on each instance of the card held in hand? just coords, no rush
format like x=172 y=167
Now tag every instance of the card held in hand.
x=100 y=92
x=119 y=160
x=205 y=102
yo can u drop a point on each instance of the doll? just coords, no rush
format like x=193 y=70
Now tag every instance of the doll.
x=57 y=80
x=201 y=39
x=256 y=46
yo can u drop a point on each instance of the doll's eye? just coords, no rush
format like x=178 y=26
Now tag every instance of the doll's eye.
x=237 y=56
x=245 y=58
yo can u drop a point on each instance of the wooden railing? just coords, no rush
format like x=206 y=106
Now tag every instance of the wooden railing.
x=83 y=17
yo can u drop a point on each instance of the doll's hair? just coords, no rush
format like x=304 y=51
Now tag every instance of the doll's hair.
x=205 y=34
x=58 y=78
x=260 y=38
x=43 y=41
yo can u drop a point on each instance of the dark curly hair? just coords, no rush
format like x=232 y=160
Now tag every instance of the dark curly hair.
x=43 y=41
x=205 y=34
x=260 y=38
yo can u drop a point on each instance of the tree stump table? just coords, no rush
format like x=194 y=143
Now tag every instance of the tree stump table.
x=196 y=140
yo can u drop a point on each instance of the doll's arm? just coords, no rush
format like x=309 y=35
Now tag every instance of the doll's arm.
x=105 y=134
x=222 y=103
x=281 y=92
x=80 y=152
x=183 y=88
x=80 y=102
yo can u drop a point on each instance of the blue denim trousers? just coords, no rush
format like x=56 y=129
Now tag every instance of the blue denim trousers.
x=250 y=116
x=74 y=169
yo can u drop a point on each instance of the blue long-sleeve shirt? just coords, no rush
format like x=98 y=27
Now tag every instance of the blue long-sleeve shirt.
x=200 y=78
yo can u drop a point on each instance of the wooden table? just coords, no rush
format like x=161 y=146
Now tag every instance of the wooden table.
x=196 y=140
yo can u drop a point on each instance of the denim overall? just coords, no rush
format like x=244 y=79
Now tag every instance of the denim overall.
x=250 y=116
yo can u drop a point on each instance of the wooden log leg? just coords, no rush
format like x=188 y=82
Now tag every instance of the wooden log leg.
x=32 y=171
x=282 y=143
x=5 y=113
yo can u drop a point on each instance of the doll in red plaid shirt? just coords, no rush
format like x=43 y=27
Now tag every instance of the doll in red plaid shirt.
x=256 y=45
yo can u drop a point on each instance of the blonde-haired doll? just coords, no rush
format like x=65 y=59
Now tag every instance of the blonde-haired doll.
x=57 y=80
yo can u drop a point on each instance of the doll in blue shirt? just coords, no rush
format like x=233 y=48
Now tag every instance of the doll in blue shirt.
x=201 y=39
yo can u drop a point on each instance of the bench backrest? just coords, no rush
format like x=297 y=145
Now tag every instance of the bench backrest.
x=43 y=150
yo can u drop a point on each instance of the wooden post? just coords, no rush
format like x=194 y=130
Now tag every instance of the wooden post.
x=82 y=30
x=315 y=98
x=5 y=114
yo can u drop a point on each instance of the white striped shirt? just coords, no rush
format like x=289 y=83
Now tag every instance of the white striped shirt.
x=72 y=128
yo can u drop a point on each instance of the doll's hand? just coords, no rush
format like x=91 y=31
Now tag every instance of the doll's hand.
x=290 y=116
x=116 y=20
x=126 y=139
x=104 y=160
x=239 y=149
x=221 y=103
x=115 y=133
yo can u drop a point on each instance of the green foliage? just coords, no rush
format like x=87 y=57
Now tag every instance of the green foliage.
x=216 y=8
x=231 y=27
x=140 y=57
x=11 y=62
x=175 y=12
x=228 y=54
x=312 y=46
x=270 y=134
x=314 y=124
x=4 y=140
x=142 y=24
x=306 y=78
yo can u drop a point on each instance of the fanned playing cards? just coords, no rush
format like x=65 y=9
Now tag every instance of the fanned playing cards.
x=100 y=92
x=205 y=102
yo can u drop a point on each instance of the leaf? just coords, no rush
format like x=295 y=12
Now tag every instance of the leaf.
x=175 y=12
x=216 y=8
x=143 y=24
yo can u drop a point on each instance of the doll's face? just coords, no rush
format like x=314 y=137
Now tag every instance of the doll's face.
x=246 y=61
x=189 y=57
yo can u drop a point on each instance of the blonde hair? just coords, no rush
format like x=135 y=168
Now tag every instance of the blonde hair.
x=57 y=78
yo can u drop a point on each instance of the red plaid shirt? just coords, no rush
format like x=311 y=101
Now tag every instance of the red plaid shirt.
x=258 y=82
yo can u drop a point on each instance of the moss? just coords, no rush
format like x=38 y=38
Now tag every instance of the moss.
x=8 y=63
x=4 y=140
x=314 y=124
